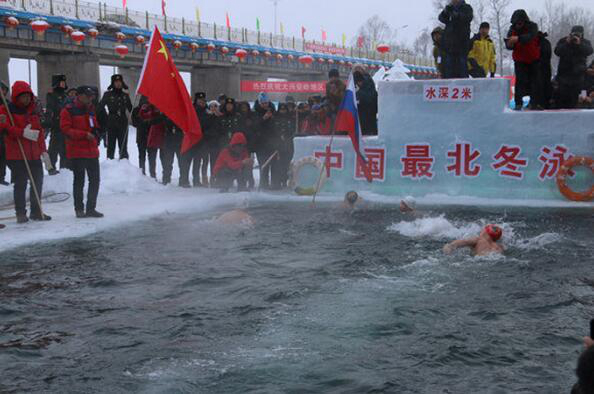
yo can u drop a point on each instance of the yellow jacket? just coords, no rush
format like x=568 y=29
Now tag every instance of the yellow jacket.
x=483 y=51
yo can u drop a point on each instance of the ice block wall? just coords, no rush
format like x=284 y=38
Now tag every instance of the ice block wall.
x=458 y=138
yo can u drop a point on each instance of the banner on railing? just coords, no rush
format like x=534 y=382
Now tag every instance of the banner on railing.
x=322 y=48
x=283 y=87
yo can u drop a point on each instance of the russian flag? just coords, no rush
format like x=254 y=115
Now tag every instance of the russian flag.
x=347 y=121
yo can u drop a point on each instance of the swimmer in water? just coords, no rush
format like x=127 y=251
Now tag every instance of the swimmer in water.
x=408 y=205
x=351 y=199
x=236 y=217
x=483 y=245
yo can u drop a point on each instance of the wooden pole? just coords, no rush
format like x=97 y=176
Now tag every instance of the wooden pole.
x=319 y=183
x=31 y=179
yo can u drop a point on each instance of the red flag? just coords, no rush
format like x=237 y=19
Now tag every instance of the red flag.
x=324 y=35
x=164 y=87
x=125 y=4
x=163 y=6
x=228 y=20
x=360 y=42
x=303 y=30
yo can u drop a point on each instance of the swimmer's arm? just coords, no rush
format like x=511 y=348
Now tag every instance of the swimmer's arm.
x=462 y=243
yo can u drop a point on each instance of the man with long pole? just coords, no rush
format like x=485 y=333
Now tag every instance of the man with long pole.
x=25 y=149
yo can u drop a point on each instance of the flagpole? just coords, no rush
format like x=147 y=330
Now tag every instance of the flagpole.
x=319 y=183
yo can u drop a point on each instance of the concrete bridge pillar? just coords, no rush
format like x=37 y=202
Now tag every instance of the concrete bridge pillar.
x=215 y=81
x=132 y=78
x=4 y=74
x=80 y=69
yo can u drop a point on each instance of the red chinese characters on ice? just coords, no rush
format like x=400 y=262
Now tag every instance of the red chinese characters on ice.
x=332 y=159
x=418 y=162
x=376 y=159
x=448 y=93
x=552 y=159
x=464 y=157
x=509 y=163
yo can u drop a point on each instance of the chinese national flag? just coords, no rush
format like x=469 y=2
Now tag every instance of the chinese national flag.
x=164 y=87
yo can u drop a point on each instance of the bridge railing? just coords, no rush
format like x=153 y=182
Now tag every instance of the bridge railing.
x=101 y=12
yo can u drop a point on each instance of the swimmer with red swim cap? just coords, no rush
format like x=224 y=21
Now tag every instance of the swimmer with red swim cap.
x=484 y=244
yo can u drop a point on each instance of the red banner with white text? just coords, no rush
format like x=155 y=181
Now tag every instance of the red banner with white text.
x=283 y=87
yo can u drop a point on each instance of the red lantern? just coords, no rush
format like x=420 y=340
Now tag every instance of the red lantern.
x=39 y=27
x=342 y=62
x=210 y=47
x=321 y=60
x=194 y=47
x=93 y=33
x=267 y=53
x=12 y=22
x=383 y=48
x=306 y=60
x=279 y=57
x=121 y=50
x=291 y=58
x=330 y=61
x=67 y=29
x=140 y=40
x=255 y=52
x=78 y=36
x=241 y=54
x=120 y=36
x=224 y=50
x=177 y=44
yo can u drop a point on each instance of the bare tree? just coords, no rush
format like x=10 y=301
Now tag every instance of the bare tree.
x=422 y=43
x=374 y=31
x=499 y=15
x=480 y=13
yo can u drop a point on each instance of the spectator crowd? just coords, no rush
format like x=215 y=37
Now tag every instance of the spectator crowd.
x=458 y=55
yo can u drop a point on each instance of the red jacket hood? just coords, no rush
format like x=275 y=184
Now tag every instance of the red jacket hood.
x=238 y=139
x=19 y=88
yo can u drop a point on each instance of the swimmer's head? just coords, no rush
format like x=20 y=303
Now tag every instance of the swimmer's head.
x=408 y=204
x=494 y=232
x=351 y=198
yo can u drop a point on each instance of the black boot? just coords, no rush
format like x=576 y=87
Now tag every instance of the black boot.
x=22 y=218
x=38 y=217
x=92 y=213
x=53 y=171
x=80 y=214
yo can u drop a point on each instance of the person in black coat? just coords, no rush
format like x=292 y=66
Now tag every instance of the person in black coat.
x=589 y=79
x=264 y=111
x=56 y=101
x=142 y=130
x=170 y=150
x=248 y=128
x=118 y=104
x=573 y=52
x=283 y=125
x=456 y=17
x=197 y=156
x=366 y=102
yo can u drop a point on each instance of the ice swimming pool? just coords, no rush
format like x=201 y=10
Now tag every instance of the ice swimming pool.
x=308 y=300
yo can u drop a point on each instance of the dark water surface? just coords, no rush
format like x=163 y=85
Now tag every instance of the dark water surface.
x=308 y=301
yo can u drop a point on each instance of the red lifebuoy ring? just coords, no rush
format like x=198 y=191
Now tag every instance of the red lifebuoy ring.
x=562 y=179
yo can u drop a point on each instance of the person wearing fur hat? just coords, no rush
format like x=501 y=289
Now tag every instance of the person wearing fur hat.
x=118 y=103
x=56 y=100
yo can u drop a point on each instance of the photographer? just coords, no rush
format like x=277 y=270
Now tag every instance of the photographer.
x=573 y=51
x=456 y=17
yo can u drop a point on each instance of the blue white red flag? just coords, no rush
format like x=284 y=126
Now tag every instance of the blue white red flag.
x=347 y=121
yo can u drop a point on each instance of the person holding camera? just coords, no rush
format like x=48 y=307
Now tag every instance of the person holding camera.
x=456 y=17
x=573 y=52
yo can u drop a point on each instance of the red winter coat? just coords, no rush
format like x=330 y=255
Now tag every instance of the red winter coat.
x=76 y=123
x=157 y=130
x=527 y=49
x=226 y=158
x=22 y=117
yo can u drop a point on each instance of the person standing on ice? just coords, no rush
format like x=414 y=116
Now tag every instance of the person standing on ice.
x=573 y=52
x=482 y=61
x=118 y=103
x=483 y=245
x=234 y=164
x=56 y=100
x=142 y=131
x=456 y=17
x=367 y=101
x=28 y=133
x=80 y=128
x=523 y=39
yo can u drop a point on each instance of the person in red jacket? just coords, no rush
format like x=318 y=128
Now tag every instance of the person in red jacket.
x=524 y=40
x=79 y=126
x=27 y=131
x=234 y=164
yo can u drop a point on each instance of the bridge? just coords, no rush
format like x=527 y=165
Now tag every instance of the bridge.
x=75 y=37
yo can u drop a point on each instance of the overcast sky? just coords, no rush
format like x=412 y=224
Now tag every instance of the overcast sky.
x=337 y=17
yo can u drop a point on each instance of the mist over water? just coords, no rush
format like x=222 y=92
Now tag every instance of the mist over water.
x=306 y=300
